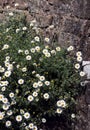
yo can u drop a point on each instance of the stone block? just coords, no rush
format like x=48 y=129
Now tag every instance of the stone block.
x=73 y=26
x=86 y=65
x=81 y=8
x=67 y=39
x=87 y=94
x=44 y=20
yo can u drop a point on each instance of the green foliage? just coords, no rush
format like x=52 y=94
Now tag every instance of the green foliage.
x=36 y=80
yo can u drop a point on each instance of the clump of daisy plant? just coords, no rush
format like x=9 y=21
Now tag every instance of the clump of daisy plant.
x=36 y=80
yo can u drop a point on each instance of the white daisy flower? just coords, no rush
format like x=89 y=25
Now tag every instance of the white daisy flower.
x=9 y=113
x=43 y=120
x=11 y=95
x=17 y=30
x=47 y=39
x=11 y=14
x=46 y=47
x=79 y=53
x=4 y=83
x=1 y=115
x=35 y=128
x=10 y=67
x=20 y=81
x=45 y=51
x=24 y=28
x=59 y=110
x=7 y=58
x=73 y=115
x=33 y=72
x=53 y=52
x=7 y=73
x=5 y=100
x=6 y=46
x=82 y=73
x=24 y=69
x=46 y=96
x=47 y=83
x=77 y=66
x=37 y=48
x=70 y=48
x=30 y=98
x=31 y=24
x=20 y=51
x=35 y=94
x=18 y=118
x=37 y=39
x=3 y=89
x=2 y=69
x=42 y=78
x=48 y=55
x=35 y=85
x=5 y=107
x=32 y=41
x=79 y=58
x=40 y=83
x=18 y=66
x=32 y=50
x=28 y=57
x=1 y=97
x=6 y=64
x=61 y=103
x=38 y=75
x=26 y=52
x=31 y=125
x=8 y=123
x=26 y=115
x=83 y=83
x=22 y=111
x=58 y=49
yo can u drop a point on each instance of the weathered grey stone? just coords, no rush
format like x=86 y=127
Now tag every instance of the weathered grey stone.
x=88 y=93
x=67 y=39
x=44 y=20
x=86 y=69
x=81 y=8
x=73 y=26
x=88 y=126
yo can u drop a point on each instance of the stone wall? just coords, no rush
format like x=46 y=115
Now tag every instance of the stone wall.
x=65 y=21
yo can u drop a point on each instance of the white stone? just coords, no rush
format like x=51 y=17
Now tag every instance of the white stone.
x=86 y=65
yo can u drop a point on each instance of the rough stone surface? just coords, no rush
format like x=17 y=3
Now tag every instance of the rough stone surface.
x=68 y=23
x=88 y=102
x=81 y=8
x=82 y=114
x=86 y=65
x=88 y=126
